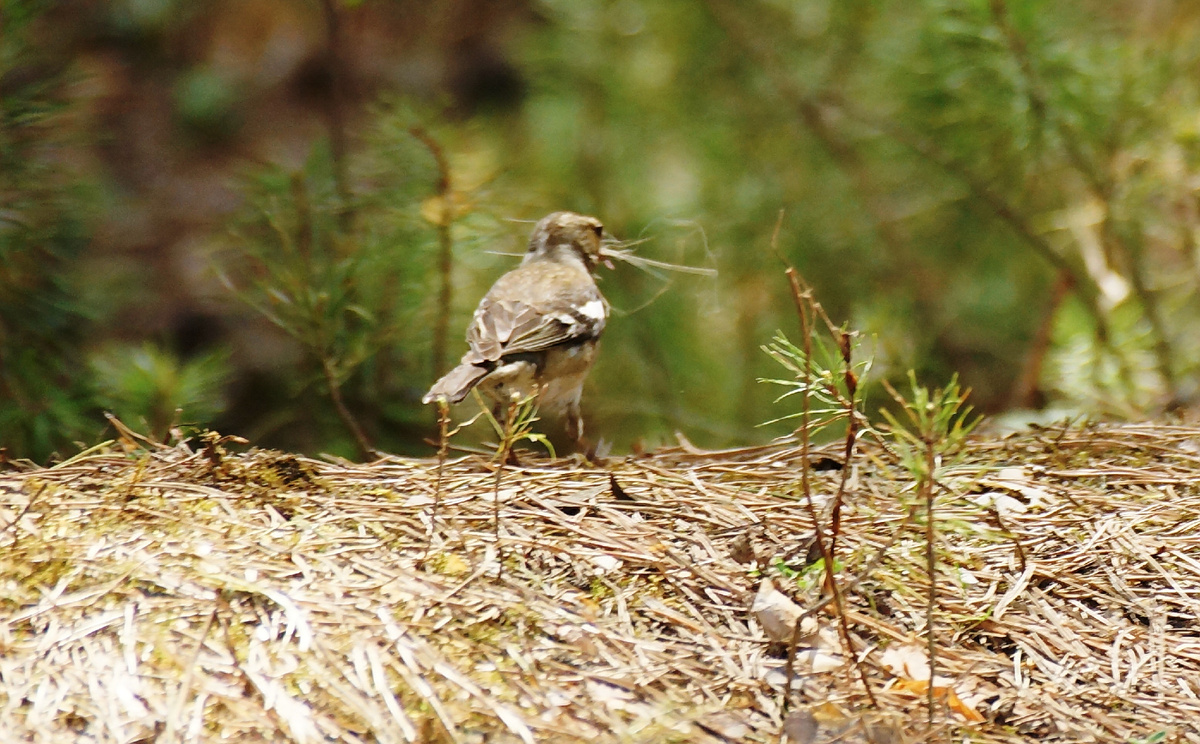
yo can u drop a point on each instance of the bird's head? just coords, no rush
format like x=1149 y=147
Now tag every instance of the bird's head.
x=562 y=234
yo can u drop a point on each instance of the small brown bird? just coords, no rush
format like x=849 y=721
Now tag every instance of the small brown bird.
x=535 y=331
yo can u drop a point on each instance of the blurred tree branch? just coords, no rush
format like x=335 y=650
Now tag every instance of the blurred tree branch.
x=811 y=110
x=1102 y=186
x=444 y=192
x=336 y=108
x=811 y=113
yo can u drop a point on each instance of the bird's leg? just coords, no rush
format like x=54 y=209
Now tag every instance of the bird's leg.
x=574 y=422
x=583 y=448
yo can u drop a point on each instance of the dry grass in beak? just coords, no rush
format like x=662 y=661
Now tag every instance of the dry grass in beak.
x=623 y=252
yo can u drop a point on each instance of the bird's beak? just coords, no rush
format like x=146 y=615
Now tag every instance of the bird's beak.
x=606 y=259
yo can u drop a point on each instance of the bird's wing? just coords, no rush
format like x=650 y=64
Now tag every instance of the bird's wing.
x=503 y=326
x=455 y=384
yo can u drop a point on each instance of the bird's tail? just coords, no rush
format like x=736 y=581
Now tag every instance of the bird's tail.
x=455 y=384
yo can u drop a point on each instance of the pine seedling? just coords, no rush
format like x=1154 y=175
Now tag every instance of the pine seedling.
x=151 y=386
x=932 y=437
x=827 y=388
x=517 y=426
x=304 y=273
x=833 y=383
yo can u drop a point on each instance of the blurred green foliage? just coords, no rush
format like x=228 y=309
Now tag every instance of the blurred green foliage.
x=353 y=282
x=152 y=389
x=55 y=381
x=1001 y=189
x=823 y=381
x=205 y=104
x=941 y=165
x=43 y=229
x=929 y=431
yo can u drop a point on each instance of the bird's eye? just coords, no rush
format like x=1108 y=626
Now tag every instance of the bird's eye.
x=599 y=230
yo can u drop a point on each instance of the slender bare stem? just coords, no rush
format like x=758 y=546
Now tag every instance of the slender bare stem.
x=348 y=420
x=931 y=569
x=851 y=382
x=799 y=297
x=807 y=308
x=502 y=454
x=443 y=409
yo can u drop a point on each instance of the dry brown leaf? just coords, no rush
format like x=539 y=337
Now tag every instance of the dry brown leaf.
x=777 y=614
x=920 y=687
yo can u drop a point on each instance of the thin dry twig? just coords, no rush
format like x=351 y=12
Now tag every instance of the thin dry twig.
x=807 y=308
x=443 y=409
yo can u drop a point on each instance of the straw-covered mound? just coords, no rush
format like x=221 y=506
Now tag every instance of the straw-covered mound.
x=176 y=594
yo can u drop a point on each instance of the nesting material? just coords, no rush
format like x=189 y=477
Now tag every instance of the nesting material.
x=174 y=594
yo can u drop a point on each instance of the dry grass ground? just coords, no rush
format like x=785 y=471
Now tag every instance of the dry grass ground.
x=170 y=594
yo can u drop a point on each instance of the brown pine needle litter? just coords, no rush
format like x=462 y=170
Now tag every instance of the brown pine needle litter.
x=177 y=595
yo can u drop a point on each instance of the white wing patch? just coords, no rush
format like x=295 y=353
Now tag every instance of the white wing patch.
x=594 y=310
